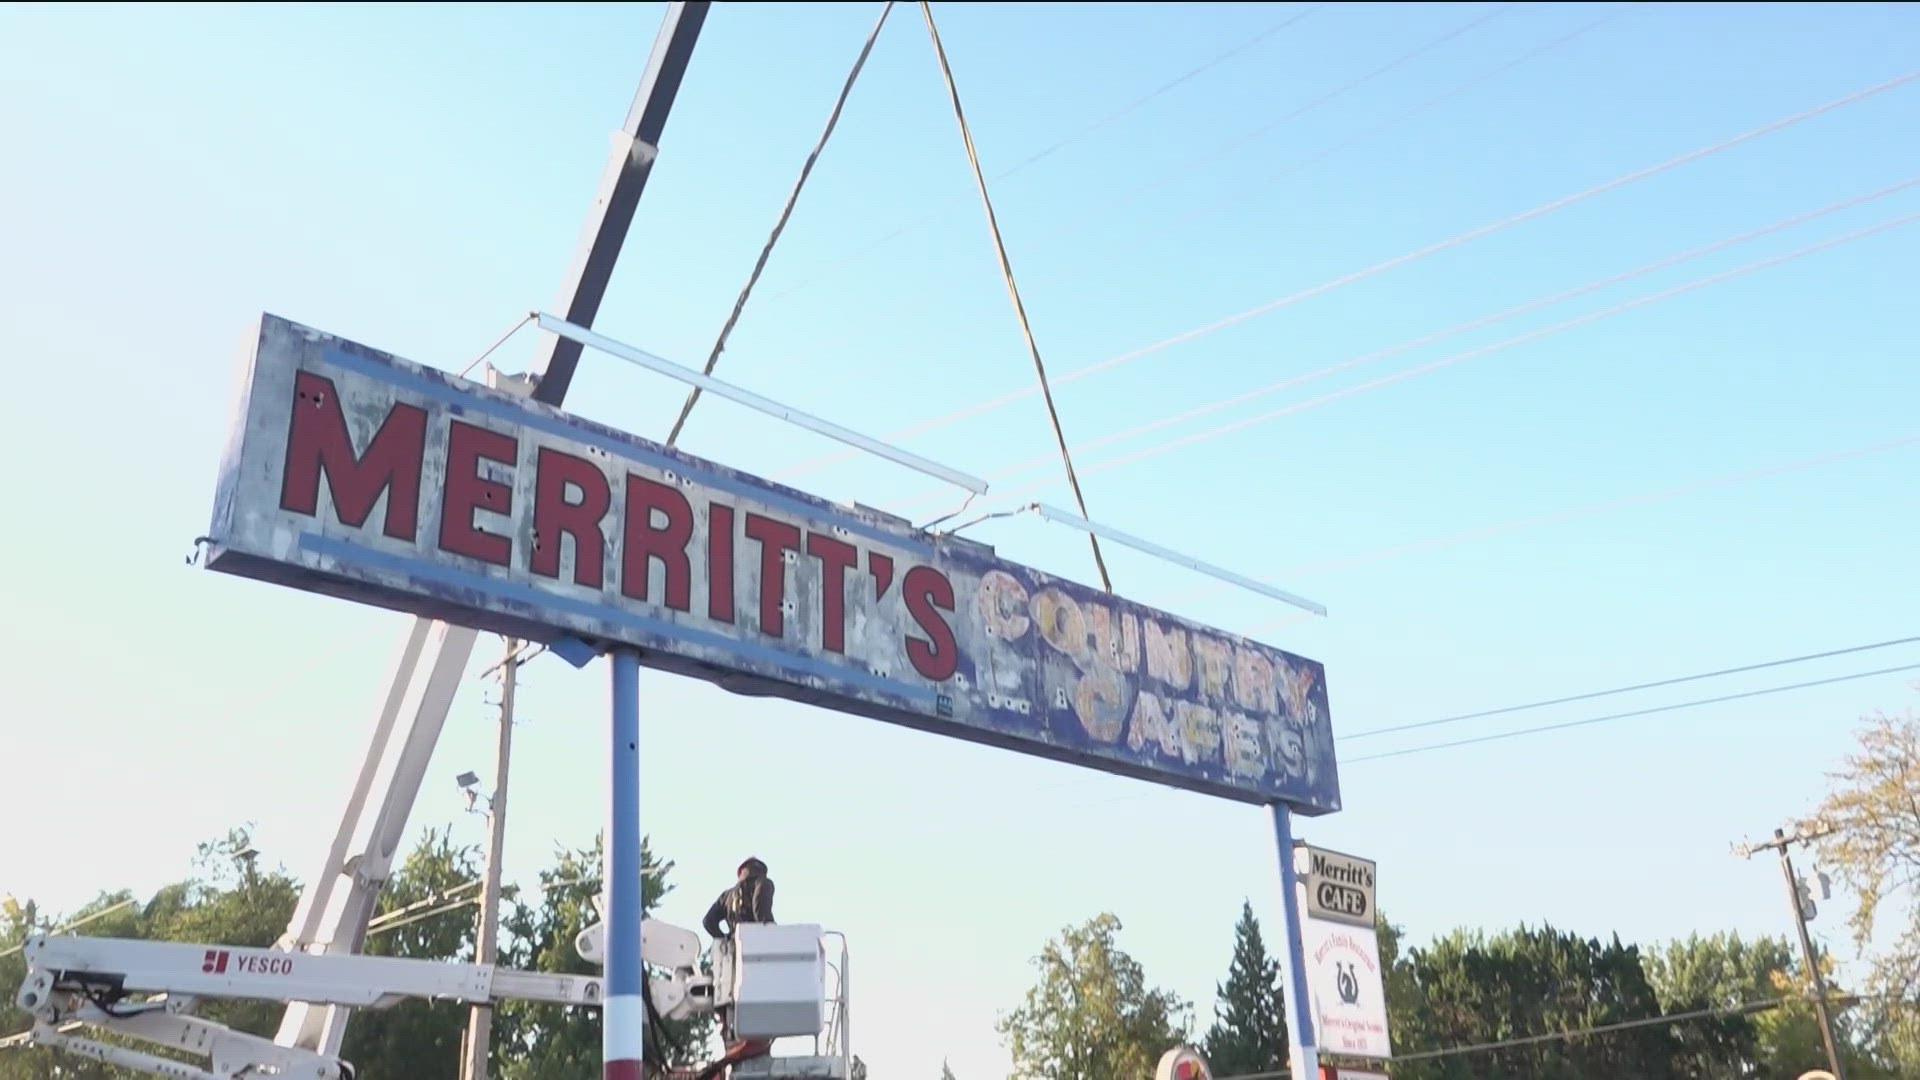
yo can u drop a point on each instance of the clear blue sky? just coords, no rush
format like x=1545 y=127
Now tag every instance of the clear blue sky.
x=414 y=178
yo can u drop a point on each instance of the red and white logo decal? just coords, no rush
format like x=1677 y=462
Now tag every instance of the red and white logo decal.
x=216 y=962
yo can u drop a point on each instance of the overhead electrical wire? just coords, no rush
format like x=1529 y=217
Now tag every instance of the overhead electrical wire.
x=829 y=269
x=1588 y=509
x=1380 y=268
x=1444 y=96
x=1292 y=381
x=1500 y=346
x=1572 y=513
x=1189 y=163
x=1013 y=289
x=1474 y=353
x=1801 y=659
x=780 y=225
x=1497 y=736
x=1742 y=1009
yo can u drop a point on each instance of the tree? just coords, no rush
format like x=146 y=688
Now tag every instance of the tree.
x=1092 y=1015
x=1723 y=972
x=1872 y=820
x=946 y=1073
x=1472 y=989
x=538 y=1041
x=419 y=1038
x=230 y=900
x=1249 y=1032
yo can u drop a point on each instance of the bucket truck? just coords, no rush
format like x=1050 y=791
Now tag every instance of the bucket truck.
x=772 y=982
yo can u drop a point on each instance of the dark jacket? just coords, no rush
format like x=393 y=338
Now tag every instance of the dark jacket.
x=750 y=901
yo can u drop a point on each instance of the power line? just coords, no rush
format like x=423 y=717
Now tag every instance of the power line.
x=1381 y=267
x=780 y=225
x=1442 y=97
x=1587 y=509
x=1190 y=163
x=1474 y=324
x=831 y=268
x=1627 y=715
x=1742 y=1009
x=1630 y=689
x=1013 y=289
x=1500 y=346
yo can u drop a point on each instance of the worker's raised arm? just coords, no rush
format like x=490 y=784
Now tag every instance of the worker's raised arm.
x=714 y=915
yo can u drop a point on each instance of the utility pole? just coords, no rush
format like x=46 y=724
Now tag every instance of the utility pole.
x=1780 y=842
x=479 y=1038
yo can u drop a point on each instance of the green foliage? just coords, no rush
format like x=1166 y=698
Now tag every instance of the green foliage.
x=1871 y=818
x=420 y=1038
x=1249 y=1033
x=1472 y=989
x=231 y=901
x=537 y=1041
x=1092 y=1015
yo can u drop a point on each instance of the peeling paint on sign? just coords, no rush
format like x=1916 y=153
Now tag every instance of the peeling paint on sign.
x=356 y=474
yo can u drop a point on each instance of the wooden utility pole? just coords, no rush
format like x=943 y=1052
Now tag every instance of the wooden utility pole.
x=1780 y=842
x=479 y=1038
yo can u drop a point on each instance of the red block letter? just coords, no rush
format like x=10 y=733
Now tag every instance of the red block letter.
x=776 y=537
x=720 y=562
x=554 y=516
x=926 y=589
x=668 y=543
x=466 y=490
x=836 y=558
x=317 y=441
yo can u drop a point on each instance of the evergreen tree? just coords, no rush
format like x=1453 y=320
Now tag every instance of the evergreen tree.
x=946 y=1072
x=1249 y=1033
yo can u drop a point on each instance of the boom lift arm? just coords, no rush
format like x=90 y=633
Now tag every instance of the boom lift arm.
x=772 y=978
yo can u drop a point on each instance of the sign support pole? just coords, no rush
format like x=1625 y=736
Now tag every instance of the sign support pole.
x=623 y=1019
x=1303 y=1052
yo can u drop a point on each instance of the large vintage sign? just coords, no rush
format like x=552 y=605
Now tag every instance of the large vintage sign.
x=360 y=475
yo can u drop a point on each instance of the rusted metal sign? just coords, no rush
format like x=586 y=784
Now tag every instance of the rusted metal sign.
x=360 y=475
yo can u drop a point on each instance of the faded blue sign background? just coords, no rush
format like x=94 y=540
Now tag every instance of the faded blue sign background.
x=359 y=475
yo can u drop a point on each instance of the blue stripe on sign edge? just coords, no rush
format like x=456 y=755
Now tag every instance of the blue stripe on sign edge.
x=620 y=448
x=348 y=551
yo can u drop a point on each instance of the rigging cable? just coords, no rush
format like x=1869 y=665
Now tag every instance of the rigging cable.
x=1390 y=264
x=925 y=303
x=1013 y=289
x=786 y=212
x=831 y=268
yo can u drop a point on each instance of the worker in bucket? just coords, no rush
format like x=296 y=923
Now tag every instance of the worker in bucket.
x=749 y=901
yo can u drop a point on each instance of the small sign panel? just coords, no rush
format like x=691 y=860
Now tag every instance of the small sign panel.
x=359 y=475
x=1340 y=888
x=1348 y=990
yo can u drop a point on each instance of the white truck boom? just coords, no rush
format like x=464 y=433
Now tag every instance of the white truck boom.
x=770 y=979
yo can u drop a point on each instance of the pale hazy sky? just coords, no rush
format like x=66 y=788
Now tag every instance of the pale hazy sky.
x=414 y=178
